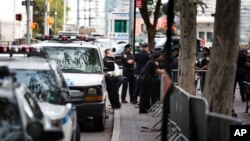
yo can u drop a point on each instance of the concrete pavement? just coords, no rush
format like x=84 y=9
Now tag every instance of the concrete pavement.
x=127 y=121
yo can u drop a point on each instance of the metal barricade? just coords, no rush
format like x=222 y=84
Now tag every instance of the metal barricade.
x=247 y=94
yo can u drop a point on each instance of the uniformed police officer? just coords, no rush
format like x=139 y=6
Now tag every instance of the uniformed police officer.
x=141 y=59
x=151 y=69
x=128 y=73
x=112 y=79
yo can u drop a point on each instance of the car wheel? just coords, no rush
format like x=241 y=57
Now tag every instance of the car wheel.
x=100 y=122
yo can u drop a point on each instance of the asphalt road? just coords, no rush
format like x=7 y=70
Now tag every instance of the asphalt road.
x=88 y=133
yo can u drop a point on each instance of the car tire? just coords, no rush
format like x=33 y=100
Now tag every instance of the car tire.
x=100 y=122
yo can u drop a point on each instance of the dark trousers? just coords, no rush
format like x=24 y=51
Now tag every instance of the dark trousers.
x=113 y=84
x=137 y=89
x=128 y=79
x=145 y=94
x=239 y=78
x=155 y=89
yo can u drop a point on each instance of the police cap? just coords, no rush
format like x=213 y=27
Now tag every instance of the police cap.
x=144 y=45
x=127 y=46
x=156 y=54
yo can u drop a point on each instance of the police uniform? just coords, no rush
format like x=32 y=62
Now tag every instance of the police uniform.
x=113 y=81
x=141 y=59
x=147 y=76
x=128 y=74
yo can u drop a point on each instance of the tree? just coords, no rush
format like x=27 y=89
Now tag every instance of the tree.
x=219 y=83
x=38 y=14
x=151 y=27
x=186 y=68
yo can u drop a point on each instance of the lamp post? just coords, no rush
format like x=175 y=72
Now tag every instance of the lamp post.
x=28 y=22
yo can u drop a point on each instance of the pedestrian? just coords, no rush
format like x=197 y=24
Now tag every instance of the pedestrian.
x=151 y=69
x=241 y=72
x=141 y=59
x=113 y=79
x=202 y=66
x=128 y=73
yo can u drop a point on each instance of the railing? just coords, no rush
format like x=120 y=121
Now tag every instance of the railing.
x=191 y=118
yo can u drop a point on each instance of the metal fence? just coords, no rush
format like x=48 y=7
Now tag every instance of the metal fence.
x=192 y=120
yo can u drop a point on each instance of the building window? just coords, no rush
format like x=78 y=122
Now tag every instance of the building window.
x=201 y=35
x=209 y=36
x=120 y=26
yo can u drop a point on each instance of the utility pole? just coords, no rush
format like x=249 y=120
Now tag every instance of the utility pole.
x=78 y=16
x=132 y=24
x=28 y=22
x=55 y=26
x=46 y=28
x=64 y=15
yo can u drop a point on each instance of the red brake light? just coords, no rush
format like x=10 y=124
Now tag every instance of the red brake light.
x=26 y=49
x=4 y=49
x=81 y=37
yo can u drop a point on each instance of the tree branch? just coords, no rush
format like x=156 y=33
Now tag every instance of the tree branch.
x=145 y=14
x=157 y=13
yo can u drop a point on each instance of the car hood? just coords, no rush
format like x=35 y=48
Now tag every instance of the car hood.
x=54 y=111
x=79 y=79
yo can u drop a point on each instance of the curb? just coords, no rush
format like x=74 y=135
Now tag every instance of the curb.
x=117 y=126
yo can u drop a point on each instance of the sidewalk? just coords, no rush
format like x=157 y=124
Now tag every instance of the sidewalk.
x=128 y=121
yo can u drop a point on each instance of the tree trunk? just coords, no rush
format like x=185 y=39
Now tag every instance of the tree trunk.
x=151 y=38
x=220 y=77
x=188 y=46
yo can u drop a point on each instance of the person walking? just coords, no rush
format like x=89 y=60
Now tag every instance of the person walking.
x=113 y=79
x=128 y=73
x=151 y=69
x=141 y=59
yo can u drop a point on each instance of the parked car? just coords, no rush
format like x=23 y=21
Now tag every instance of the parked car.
x=21 y=119
x=48 y=87
x=82 y=67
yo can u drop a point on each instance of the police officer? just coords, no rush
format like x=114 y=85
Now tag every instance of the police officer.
x=141 y=59
x=113 y=79
x=151 y=69
x=128 y=73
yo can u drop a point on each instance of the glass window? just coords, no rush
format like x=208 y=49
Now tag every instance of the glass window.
x=75 y=59
x=42 y=84
x=10 y=121
x=120 y=26
x=201 y=35
x=209 y=36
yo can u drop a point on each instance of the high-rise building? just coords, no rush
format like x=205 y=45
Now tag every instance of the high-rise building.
x=91 y=14
x=245 y=22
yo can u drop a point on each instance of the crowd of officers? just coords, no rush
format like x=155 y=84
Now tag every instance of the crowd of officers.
x=140 y=77
x=141 y=74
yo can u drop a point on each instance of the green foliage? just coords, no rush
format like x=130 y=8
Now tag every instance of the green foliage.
x=38 y=15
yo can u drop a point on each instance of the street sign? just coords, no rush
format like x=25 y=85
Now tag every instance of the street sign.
x=32 y=3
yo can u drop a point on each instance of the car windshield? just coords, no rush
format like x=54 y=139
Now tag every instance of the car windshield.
x=75 y=59
x=42 y=84
x=10 y=121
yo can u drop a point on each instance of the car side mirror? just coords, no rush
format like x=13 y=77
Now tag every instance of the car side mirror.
x=113 y=49
x=37 y=132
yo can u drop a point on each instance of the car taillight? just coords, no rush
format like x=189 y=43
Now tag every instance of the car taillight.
x=26 y=49
x=4 y=49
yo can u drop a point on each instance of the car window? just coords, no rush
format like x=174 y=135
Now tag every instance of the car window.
x=10 y=121
x=42 y=84
x=75 y=59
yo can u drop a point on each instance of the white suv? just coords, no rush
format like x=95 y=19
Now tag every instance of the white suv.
x=82 y=67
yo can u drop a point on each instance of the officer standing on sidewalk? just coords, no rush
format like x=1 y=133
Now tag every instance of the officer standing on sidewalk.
x=141 y=59
x=151 y=69
x=128 y=73
x=113 y=79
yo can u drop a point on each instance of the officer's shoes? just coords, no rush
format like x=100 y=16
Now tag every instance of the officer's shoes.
x=143 y=111
x=124 y=101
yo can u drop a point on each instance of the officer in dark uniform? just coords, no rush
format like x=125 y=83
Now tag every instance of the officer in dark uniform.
x=128 y=73
x=112 y=79
x=141 y=59
x=151 y=69
x=241 y=73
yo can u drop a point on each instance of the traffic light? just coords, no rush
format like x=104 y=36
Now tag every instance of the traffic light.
x=19 y=17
